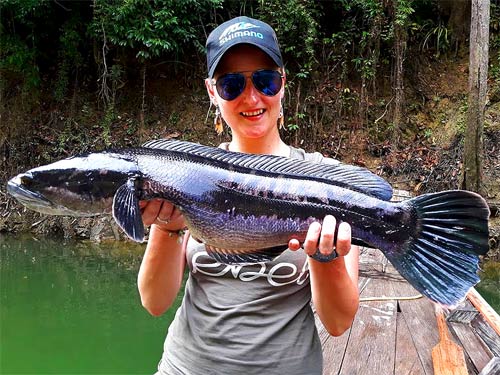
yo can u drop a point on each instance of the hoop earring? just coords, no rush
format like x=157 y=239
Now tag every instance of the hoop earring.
x=219 y=126
x=281 y=118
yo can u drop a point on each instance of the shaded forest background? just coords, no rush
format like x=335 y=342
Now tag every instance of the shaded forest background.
x=378 y=83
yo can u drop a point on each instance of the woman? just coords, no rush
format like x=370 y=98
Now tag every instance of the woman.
x=252 y=318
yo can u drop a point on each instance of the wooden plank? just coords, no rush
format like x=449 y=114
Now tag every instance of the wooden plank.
x=408 y=325
x=334 y=350
x=463 y=315
x=413 y=332
x=396 y=335
x=485 y=309
x=400 y=195
x=419 y=318
x=474 y=348
x=487 y=334
x=407 y=359
x=371 y=262
x=466 y=313
x=459 y=321
x=492 y=368
x=370 y=349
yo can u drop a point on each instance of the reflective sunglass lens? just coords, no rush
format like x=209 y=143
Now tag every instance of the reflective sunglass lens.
x=267 y=82
x=229 y=86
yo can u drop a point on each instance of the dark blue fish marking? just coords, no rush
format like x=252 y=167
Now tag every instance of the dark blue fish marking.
x=246 y=208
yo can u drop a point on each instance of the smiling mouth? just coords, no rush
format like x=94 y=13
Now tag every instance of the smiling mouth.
x=253 y=113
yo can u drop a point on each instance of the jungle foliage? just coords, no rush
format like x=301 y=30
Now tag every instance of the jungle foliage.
x=344 y=58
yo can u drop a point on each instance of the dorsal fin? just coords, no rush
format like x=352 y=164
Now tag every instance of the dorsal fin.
x=343 y=175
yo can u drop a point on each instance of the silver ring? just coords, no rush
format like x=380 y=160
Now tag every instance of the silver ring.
x=166 y=221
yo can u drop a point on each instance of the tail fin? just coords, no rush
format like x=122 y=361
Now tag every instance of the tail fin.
x=441 y=259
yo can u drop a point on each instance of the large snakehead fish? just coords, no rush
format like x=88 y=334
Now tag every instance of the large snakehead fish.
x=246 y=208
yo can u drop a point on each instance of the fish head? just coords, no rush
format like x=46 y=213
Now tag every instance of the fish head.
x=78 y=186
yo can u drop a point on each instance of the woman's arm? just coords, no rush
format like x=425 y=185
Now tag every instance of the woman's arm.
x=162 y=268
x=335 y=291
x=334 y=285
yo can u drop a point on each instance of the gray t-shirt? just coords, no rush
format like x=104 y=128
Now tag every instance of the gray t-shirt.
x=251 y=319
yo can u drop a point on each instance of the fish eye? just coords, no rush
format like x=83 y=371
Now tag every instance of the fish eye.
x=26 y=180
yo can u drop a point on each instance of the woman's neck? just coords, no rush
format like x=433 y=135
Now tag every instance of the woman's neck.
x=273 y=146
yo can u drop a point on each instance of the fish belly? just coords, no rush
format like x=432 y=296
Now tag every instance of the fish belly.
x=240 y=231
x=243 y=214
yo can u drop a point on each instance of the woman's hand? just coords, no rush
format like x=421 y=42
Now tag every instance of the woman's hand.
x=161 y=213
x=323 y=236
x=162 y=267
x=333 y=284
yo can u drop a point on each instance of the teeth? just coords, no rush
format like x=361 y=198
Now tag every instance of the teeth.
x=253 y=113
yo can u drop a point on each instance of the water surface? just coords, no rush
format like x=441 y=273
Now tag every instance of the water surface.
x=73 y=308
x=489 y=286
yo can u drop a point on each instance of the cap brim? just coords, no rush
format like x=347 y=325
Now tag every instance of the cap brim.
x=267 y=51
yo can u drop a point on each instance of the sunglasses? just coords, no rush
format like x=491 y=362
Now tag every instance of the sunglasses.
x=231 y=85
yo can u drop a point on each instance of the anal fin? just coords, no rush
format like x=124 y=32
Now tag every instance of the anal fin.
x=226 y=256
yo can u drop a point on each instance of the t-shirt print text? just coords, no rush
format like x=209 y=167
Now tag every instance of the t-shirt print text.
x=278 y=274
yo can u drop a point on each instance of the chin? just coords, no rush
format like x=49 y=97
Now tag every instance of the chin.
x=255 y=132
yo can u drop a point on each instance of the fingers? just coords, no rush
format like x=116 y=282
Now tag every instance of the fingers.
x=343 y=244
x=327 y=237
x=166 y=212
x=158 y=211
x=294 y=244
x=150 y=210
x=312 y=237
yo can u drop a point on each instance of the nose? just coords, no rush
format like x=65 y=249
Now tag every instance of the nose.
x=250 y=93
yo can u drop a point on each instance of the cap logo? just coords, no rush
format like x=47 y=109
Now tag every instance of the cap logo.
x=238 y=30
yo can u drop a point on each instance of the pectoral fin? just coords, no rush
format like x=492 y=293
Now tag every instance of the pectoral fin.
x=127 y=213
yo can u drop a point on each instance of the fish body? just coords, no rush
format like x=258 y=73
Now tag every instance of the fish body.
x=246 y=208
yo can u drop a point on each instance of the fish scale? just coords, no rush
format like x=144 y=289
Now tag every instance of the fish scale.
x=246 y=208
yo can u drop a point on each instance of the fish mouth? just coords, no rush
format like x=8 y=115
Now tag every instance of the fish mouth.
x=24 y=188
x=34 y=200
x=17 y=188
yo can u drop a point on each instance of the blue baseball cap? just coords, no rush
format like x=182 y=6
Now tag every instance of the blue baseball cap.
x=241 y=30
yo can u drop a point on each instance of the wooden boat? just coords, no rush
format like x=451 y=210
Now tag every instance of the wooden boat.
x=396 y=329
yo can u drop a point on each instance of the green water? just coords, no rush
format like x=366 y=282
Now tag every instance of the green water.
x=74 y=309
x=489 y=287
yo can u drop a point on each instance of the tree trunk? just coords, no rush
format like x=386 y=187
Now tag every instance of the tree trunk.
x=400 y=37
x=478 y=75
x=142 y=127
x=376 y=32
x=459 y=17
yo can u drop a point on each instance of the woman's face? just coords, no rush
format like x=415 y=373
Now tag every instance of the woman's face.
x=252 y=114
